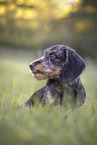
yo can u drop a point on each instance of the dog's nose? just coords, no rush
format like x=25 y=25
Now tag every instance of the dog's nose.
x=32 y=65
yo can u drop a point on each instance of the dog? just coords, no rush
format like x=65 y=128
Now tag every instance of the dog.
x=62 y=67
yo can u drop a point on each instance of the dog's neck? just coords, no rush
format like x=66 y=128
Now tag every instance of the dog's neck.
x=55 y=89
x=57 y=82
x=53 y=81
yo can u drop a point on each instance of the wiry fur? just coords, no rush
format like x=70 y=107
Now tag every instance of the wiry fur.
x=62 y=67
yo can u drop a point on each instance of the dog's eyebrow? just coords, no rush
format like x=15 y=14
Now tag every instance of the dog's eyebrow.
x=50 y=52
x=47 y=52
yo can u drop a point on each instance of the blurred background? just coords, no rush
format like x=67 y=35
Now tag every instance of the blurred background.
x=37 y=24
x=27 y=27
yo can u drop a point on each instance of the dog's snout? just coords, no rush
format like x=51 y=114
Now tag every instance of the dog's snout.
x=32 y=65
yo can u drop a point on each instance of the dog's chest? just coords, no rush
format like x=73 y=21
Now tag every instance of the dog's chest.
x=68 y=94
x=57 y=91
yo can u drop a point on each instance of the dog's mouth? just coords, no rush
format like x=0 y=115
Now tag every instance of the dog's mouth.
x=39 y=75
x=44 y=75
x=38 y=72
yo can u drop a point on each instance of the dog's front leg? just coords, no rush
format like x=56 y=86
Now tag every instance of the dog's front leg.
x=38 y=95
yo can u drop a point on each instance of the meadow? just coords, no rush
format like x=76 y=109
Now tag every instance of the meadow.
x=42 y=125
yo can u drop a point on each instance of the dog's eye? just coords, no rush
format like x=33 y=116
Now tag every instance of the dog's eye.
x=52 y=55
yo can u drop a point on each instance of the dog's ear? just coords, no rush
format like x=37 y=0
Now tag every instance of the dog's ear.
x=73 y=67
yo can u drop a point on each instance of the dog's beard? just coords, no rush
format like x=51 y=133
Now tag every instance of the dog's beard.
x=40 y=76
x=46 y=73
x=43 y=76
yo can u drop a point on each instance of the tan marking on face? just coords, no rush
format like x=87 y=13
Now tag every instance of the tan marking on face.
x=44 y=72
x=38 y=67
x=49 y=52
x=47 y=75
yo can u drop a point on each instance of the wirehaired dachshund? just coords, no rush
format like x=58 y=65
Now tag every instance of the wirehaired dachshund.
x=62 y=67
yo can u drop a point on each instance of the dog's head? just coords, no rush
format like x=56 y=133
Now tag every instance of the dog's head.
x=58 y=62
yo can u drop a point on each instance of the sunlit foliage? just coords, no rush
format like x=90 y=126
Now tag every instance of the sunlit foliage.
x=38 y=10
x=42 y=23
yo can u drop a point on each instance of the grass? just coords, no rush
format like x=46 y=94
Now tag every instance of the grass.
x=48 y=125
